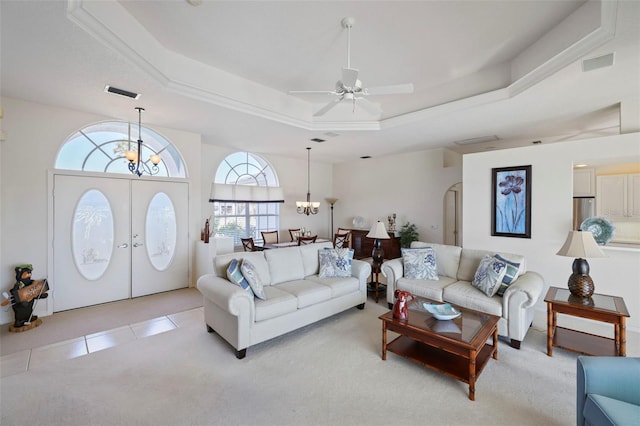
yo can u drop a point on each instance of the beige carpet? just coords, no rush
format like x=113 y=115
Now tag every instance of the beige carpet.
x=80 y=322
x=328 y=373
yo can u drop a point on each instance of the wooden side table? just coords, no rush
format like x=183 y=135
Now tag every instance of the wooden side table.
x=374 y=285
x=599 y=307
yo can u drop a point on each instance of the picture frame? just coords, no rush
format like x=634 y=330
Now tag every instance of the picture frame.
x=511 y=202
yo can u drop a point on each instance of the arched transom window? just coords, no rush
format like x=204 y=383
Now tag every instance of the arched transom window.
x=101 y=147
x=243 y=197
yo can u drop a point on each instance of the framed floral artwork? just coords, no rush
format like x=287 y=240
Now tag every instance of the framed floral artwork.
x=511 y=202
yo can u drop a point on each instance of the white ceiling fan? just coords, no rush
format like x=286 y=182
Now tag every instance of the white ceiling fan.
x=350 y=88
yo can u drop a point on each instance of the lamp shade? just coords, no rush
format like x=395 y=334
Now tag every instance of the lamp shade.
x=378 y=231
x=580 y=244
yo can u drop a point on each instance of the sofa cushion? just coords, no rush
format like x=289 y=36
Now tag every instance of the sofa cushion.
x=285 y=264
x=222 y=261
x=602 y=410
x=310 y=257
x=462 y=293
x=307 y=292
x=339 y=286
x=512 y=271
x=251 y=274
x=420 y=263
x=447 y=257
x=335 y=262
x=278 y=303
x=430 y=289
x=234 y=274
x=489 y=275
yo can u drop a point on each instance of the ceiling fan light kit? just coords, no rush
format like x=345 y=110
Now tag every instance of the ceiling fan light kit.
x=349 y=87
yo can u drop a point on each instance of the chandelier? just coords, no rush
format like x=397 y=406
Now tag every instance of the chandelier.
x=136 y=166
x=308 y=207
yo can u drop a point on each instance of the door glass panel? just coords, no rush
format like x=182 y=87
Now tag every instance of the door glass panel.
x=161 y=231
x=92 y=234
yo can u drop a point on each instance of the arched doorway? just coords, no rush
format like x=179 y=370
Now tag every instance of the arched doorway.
x=453 y=215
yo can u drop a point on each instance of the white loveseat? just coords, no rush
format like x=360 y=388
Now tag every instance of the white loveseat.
x=295 y=295
x=456 y=268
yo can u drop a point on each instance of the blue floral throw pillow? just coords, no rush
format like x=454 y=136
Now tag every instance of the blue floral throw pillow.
x=489 y=275
x=335 y=262
x=251 y=274
x=420 y=263
x=234 y=274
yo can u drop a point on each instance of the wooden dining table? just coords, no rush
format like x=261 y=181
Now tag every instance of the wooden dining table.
x=289 y=244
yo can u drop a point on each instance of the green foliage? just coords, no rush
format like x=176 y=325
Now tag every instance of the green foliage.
x=408 y=233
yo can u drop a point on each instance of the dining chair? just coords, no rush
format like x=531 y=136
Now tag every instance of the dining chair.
x=348 y=232
x=303 y=241
x=341 y=240
x=295 y=233
x=270 y=237
x=249 y=245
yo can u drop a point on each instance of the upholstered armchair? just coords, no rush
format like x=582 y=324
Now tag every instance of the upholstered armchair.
x=608 y=391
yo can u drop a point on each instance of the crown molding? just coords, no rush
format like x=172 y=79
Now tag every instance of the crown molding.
x=108 y=22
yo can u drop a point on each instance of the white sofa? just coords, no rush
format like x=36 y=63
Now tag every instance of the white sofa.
x=296 y=296
x=456 y=269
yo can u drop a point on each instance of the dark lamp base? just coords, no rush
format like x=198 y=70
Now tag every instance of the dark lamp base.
x=581 y=285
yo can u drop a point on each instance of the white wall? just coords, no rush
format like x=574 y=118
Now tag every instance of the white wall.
x=35 y=133
x=552 y=181
x=412 y=185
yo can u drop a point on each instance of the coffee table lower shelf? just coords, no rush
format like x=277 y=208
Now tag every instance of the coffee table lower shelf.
x=453 y=365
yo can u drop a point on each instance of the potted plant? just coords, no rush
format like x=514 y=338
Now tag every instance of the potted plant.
x=408 y=233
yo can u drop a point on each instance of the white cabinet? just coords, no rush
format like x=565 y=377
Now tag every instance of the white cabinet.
x=584 y=183
x=619 y=197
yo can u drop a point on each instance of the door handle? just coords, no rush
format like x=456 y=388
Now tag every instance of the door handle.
x=125 y=245
x=137 y=244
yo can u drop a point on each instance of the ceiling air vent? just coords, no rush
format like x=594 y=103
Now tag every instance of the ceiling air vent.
x=477 y=140
x=317 y=140
x=122 y=92
x=599 y=62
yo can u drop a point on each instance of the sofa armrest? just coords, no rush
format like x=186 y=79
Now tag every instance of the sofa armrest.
x=392 y=270
x=613 y=377
x=226 y=295
x=527 y=289
x=361 y=270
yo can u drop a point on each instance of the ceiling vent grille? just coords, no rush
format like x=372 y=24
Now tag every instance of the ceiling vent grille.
x=473 y=141
x=599 y=62
x=318 y=140
x=121 y=92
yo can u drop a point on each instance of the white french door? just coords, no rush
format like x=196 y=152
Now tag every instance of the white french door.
x=117 y=238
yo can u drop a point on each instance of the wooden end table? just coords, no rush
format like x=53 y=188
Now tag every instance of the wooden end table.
x=598 y=307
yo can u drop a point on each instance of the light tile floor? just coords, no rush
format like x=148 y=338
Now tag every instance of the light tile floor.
x=22 y=361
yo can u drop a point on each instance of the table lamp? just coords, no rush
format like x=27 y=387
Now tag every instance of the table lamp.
x=378 y=233
x=580 y=244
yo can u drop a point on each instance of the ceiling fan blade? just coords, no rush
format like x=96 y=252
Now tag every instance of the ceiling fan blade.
x=327 y=107
x=349 y=76
x=396 y=89
x=369 y=106
x=312 y=92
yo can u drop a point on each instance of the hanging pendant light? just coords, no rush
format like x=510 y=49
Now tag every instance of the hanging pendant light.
x=308 y=207
x=135 y=165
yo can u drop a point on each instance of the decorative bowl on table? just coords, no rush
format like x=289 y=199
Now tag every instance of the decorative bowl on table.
x=443 y=311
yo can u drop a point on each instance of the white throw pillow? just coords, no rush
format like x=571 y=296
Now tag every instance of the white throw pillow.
x=489 y=275
x=251 y=274
x=420 y=263
x=335 y=262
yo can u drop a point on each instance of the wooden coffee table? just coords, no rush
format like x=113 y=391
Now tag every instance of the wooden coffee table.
x=457 y=348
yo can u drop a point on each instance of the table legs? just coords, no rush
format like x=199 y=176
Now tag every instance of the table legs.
x=384 y=341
